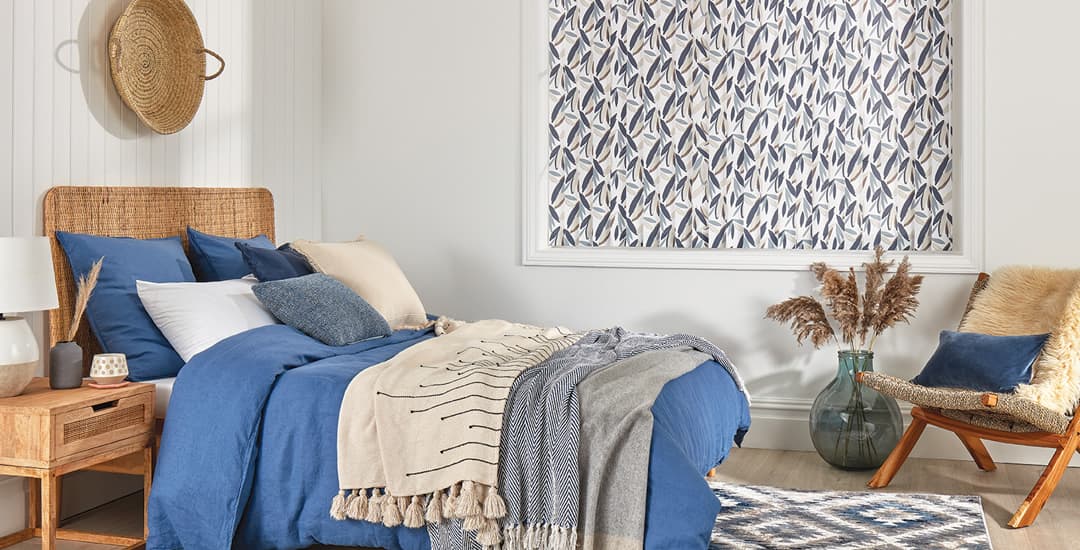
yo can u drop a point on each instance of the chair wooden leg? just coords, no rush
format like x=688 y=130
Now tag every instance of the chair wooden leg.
x=896 y=459
x=978 y=452
x=1025 y=515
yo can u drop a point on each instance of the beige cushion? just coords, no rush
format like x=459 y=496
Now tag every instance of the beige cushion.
x=370 y=271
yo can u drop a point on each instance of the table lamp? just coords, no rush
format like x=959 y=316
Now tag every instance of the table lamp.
x=27 y=284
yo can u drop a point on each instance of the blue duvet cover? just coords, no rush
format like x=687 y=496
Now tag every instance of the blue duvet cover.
x=248 y=456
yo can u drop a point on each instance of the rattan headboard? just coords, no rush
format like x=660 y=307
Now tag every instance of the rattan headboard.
x=145 y=213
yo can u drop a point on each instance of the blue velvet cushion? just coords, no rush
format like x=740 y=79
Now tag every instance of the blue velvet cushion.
x=270 y=264
x=981 y=362
x=115 y=312
x=217 y=259
x=322 y=307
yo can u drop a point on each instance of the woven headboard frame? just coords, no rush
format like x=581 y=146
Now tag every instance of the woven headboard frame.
x=144 y=213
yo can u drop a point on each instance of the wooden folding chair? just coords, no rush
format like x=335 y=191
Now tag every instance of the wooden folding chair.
x=975 y=416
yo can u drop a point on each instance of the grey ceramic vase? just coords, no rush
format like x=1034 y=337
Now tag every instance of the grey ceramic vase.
x=65 y=366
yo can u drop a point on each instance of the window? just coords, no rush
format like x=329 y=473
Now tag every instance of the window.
x=750 y=135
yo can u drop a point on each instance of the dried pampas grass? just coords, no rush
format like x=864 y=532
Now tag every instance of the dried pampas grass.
x=898 y=301
x=842 y=295
x=85 y=286
x=807 y=317
x=875 y=279
x=859 y=315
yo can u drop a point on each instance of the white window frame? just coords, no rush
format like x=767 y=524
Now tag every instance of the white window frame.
x=968 y=170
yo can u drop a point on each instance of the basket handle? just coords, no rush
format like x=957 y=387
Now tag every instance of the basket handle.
x=220 y=60
x=114 y=52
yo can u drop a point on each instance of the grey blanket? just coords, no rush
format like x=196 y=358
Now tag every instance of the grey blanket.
x=540 y=477
x=616 y=436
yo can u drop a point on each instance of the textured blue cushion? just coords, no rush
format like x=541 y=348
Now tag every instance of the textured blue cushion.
x=269 y=264
x=217 y=259
x=115 y=312
x=981 y=362
x=322 y=307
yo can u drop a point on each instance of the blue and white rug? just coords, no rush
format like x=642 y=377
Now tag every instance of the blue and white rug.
x=770 y=518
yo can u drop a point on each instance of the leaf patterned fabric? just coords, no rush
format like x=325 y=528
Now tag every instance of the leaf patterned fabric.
x=789 y=124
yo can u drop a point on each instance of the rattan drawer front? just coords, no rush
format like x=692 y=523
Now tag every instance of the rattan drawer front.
x=108 y=422
x=102 y=423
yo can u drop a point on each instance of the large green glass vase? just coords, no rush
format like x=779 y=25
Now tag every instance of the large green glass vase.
x=852 y=426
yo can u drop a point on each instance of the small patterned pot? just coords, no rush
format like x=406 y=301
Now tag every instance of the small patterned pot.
x=109 y=368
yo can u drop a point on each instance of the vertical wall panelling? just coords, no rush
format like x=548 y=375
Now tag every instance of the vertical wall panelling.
x=7 y=127
x=62 y=122
x=22 y=115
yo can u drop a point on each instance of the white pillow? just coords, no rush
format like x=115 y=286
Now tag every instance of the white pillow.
x=195 y=316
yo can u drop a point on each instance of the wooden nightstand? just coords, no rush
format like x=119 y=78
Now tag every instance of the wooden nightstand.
x=47 y=433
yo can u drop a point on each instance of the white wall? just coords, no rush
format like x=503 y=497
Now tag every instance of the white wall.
x=62 y=123
x=421 y=133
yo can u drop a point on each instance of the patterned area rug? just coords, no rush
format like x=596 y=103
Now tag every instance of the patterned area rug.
x=767 y=518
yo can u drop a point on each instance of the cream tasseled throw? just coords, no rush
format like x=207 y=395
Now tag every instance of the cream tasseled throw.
x=427 y=422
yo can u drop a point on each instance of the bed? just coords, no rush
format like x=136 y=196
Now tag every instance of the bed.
x=248 y=444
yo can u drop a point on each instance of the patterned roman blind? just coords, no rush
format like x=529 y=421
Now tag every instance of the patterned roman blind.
x=788 y=124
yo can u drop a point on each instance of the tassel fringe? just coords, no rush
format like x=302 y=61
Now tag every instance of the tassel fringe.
x=468 y=503
x=354 y=508
x=434 y=508
x=414 y=513
x=391 y=512
x=473 y=523
x=374 y=513
x=489 y=534
x=533 y=537
x=494 y=507
x=479 y=506
x=337 y=507
x=450 y=504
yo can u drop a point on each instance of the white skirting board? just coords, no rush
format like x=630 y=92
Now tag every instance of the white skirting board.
x=784 y=423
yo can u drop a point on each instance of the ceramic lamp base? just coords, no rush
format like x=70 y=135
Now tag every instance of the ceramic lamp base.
x=15 y=378
x=18 y=355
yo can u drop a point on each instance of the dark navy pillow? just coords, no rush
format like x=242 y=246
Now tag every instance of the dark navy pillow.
x=981 y=362
x=269 y=264
x=322 y=307
x=217 y=259
x=115 y=312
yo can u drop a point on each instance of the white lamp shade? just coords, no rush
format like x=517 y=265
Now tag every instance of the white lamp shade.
x=27 y=282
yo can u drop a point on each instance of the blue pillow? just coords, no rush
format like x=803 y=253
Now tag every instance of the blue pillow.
x=115 y=312
x=269 y=264
x=981 y=362
x=217 y=259
x=322 y=307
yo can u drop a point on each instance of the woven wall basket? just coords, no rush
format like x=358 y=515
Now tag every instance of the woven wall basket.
x=158 y=63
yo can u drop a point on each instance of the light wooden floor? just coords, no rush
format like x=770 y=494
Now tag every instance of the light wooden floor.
x=1002 y=491
x=1058 y=526
x=120 y=517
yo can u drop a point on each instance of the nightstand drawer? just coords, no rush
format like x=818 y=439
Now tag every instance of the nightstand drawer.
x=45 y=428
x=100 y=423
